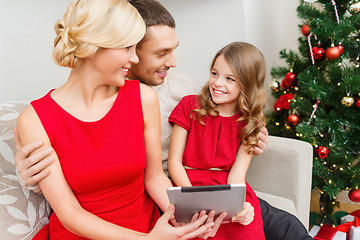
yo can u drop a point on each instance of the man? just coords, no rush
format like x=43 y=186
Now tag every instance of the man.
x=156 y=57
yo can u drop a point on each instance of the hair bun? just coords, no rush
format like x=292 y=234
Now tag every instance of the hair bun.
x=64 y=46
x=59 y=26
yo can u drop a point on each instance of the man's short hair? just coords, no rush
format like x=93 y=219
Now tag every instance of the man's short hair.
x=153 y=13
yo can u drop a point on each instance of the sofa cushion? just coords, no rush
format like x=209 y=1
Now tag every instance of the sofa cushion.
x=22 y=212
x=278 y=202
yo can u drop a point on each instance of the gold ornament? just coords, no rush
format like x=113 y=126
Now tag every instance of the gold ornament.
x=354 y=8
x=275 y=85
x=347 y=101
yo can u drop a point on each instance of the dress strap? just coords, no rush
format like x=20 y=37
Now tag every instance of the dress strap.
x=212 y=169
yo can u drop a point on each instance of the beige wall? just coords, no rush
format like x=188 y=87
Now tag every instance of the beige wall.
x=27 y=70
x=272 y=26
x=203 y=26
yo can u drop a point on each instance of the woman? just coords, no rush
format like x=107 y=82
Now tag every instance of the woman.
x=97 y=190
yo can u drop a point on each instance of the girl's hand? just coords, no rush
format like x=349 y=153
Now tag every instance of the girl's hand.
x=164 y=231
x=246 y=216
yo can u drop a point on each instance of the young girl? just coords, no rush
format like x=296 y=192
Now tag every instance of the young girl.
x=215 y=133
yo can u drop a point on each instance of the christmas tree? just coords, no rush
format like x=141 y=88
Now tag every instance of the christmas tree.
x=318 y=96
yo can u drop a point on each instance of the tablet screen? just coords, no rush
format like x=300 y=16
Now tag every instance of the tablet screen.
x=221 y=198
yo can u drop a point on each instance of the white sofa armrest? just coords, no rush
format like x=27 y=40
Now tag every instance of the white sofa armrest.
x=284 y=170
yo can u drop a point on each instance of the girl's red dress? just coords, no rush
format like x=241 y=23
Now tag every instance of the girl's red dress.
x=103 y=162
x=215 y=145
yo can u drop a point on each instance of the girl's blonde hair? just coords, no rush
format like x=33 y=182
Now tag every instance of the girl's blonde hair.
x=89 y=25
x=248 y=66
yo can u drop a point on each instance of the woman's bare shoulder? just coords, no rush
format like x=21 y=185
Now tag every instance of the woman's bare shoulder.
x=29 y=126
x=148 y=95
x=28 y=114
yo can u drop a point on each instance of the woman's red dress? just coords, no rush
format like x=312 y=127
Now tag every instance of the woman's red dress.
x=103 y=161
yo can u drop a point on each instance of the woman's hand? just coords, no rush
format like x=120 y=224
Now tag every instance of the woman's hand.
x=164 y=231
x=211 y=216
x=246 y=216
x=217 y=223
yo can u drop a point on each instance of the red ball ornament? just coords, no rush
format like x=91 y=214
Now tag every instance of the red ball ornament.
x=286 y=84
x=322 y=152
x=289 y=81
x=341 y=49
x=354 y=195
x=357 y=102
x=318 y=53
x=305 y=30
x=333 y=53
x=290 y=76
x=293 y=119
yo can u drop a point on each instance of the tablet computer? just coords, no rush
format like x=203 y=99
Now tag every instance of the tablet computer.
x=228 y=198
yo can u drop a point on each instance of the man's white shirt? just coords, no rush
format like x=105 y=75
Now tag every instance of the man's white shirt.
x=174 y=88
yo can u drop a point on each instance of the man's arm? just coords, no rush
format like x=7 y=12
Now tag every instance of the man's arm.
x=263 y=140
x=32 y=168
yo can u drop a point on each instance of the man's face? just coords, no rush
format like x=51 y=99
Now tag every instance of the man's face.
x=156 y=55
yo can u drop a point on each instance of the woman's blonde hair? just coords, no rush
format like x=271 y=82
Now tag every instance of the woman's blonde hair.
x=89 y=25
x=248 y=66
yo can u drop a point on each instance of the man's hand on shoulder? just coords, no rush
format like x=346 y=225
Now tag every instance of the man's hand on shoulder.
x=263 y=140
x=31 y=168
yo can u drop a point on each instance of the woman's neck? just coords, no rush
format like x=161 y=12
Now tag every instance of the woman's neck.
x=85 y=96
x=83 y=87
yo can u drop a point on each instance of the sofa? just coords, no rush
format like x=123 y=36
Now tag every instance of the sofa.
x=281 y=176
